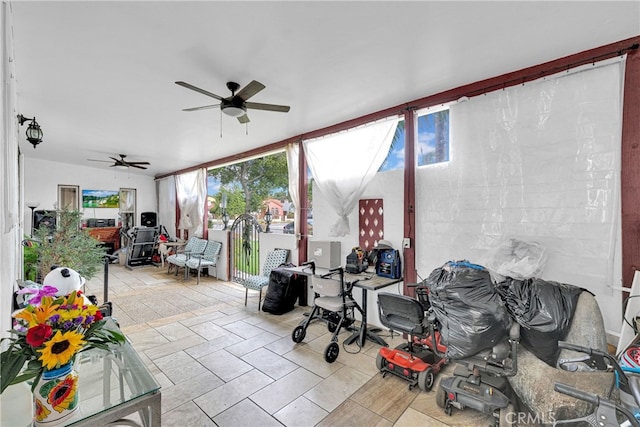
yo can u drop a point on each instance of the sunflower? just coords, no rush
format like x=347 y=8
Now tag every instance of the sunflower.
x=64 y=394
x=60 y=349
x=41 y=411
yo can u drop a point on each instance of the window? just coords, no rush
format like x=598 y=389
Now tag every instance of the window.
x=432 y=142
x=249 y=186
x=432 y=145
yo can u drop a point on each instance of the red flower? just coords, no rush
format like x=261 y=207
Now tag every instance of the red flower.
x=37 y=335
x=98 y=315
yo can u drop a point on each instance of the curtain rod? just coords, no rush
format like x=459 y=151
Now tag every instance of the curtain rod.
x=554 y=70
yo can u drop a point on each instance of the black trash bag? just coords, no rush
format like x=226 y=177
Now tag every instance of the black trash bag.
x=544 y=310
x=467 y=305
x=282 y=292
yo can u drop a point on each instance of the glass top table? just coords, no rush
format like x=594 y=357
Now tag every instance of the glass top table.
x=112 y=385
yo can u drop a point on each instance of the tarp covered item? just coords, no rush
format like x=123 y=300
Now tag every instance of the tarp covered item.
x=472 y=315
x=544 y=310
x=283 y=291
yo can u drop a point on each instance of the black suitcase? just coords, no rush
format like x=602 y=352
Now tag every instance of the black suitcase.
x=285 y=287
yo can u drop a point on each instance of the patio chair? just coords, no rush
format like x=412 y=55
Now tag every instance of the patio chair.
x=274 y=259
x=194 y=246
x=208 y=259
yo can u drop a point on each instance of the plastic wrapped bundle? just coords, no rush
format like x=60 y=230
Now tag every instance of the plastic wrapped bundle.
x=544 y=310
x=472 y=315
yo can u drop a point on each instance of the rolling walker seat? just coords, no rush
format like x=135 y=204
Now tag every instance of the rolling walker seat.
x=333 y=304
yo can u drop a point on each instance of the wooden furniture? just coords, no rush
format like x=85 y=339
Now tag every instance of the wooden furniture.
x=108 y=235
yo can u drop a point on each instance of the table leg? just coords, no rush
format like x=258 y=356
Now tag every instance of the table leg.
x=364 y=334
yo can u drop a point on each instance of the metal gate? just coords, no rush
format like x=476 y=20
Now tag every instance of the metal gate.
x=245 y=248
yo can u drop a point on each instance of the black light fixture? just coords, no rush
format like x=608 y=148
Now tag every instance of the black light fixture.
x=225 y=215
x=34 y=133
x=267 y=219
x=32 y=206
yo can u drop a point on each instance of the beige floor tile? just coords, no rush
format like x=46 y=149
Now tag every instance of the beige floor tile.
x=217 y=344
x=301 y=412
x=185 y=391
x=245 y=413
x=180 y=367
x=225 y=365
x=247 y=346
x=229 y=394
x=173 y=331
x=174 y=346
x=313 y=361
x=186 y=415
x=208 y=330
x=337 y=388
x=270 y=363
x=285 y=390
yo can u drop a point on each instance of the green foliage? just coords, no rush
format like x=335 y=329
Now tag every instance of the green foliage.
x=253 y=180
x=30 y=262
x=68 y=246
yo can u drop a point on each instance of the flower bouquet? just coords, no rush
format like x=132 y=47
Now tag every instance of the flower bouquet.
x=48 y=334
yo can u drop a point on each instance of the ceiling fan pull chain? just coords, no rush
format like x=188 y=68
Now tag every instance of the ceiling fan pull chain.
x=247 y=128
x=221 y=124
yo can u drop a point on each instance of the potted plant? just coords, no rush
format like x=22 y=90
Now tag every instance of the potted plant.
x=68 y=245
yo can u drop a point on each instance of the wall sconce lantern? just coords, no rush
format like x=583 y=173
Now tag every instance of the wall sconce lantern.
x=34 y=133
x=267 y=218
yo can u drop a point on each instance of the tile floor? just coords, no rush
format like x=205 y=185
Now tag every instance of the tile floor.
x=223 y=364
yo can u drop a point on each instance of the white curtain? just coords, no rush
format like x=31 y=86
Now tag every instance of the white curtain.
x=11 y=204
x=191 y=191
x=166 y=188
x=343 y=164
x=293 y=151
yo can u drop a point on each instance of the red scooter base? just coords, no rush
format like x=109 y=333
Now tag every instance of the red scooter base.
x=417 y=367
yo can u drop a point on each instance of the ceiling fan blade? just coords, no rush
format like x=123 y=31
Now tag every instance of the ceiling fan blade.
x=96 y=160
x=136 y=166
x=138 y=163
x=243 y=119
x=206 y=107
x=197 y=89
x=268 y=107
x=249 y=90
x=115 y=160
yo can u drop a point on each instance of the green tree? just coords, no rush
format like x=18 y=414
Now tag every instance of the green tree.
x=255 y=180
x=68 y=245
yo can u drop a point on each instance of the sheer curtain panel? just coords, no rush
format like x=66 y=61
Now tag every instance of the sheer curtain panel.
x=192 y=190
x=343 y=164
x=293 y=151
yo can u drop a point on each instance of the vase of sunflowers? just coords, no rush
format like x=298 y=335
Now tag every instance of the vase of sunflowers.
x=47 y=336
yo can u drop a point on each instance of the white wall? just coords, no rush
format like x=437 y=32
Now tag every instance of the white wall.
x=42 y=177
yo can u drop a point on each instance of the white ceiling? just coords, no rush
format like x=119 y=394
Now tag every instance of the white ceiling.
x=99 y=76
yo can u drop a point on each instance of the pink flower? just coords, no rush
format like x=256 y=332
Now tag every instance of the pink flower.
x=45 y=291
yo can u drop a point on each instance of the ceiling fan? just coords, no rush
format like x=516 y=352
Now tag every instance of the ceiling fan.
x=236 y=105
x=122 y=162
